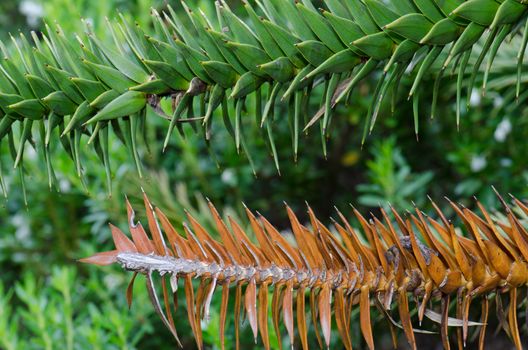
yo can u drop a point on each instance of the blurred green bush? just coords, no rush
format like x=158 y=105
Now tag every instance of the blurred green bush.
x=77 y=307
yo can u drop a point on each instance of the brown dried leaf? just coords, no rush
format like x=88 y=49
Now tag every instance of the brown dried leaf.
x=484 y=321
x=507 y=244
x=301 y=318
x=405 y=317
x=139 y=236
x=512 y=319
x=223 y=313
x=275 y=311
x=238 y=299
x=177 y=242
x=250 y=303
x=168 y=310
x=444 y=323
x=325 y=312
x=364 y=315
x=232 y=245
x=191 y=314
x=290 y=254
x=130 y=290
x=155 y=231
x=157 y=306
x=341 y=316
x=313 y=311
x=263 y=315
x=208 y=244
x=265 y=243
x=122 y=243
x=287 y=311
x=101 y=259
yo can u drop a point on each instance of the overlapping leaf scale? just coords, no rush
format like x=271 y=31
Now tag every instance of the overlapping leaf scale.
x=388 y=261
x=278 y=51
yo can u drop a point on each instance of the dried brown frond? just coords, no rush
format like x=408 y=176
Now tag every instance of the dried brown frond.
x=338 y=269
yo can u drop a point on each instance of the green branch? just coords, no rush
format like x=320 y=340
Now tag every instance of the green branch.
x=278 y=51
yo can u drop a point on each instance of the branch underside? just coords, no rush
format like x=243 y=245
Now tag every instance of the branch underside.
x=383 y=265
x=234 y=274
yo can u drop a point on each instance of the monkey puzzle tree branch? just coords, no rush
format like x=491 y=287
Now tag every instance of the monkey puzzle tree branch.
x=278 y=53
x=386 y=262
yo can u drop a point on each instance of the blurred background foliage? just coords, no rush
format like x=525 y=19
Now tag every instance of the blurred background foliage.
x=46 y=298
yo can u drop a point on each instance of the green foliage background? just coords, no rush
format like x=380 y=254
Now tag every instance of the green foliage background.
x=47 y=299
